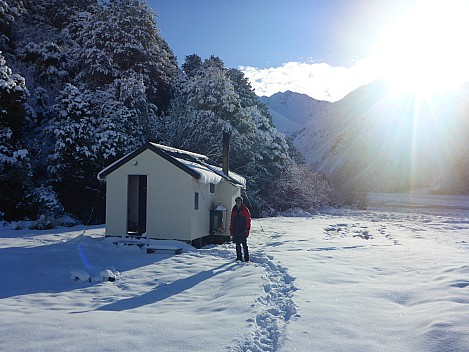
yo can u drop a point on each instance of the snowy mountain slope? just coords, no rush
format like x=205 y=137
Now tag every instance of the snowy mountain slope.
x=377 y=140
x=292 y=111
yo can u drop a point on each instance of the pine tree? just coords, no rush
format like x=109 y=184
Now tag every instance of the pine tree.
x=119 y=40
x=15 y=168
x=202 y=107
x=263 y=152
x=122 y=84
x=192 y=65
x=78 y=151
x=209 y=99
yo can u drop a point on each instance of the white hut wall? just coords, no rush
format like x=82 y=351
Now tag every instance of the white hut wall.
x=116 y=204
x=169 y=198
x=226 y=194
x=170 y=201
x=200 y=213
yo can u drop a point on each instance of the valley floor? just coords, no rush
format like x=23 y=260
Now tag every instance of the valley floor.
x=391 y=278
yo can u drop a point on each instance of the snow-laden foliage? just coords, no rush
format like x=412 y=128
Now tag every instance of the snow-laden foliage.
x=119 y=40
x=102 y=82
x=47 y=207
x=10 y=10
x=6 y=19
x=72 y=131
x=286 y=192
x=209 y=99
x=123 y=69
x=201 y=109
x=15 y=167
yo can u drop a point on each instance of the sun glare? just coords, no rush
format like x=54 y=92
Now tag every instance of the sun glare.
x=425 y=51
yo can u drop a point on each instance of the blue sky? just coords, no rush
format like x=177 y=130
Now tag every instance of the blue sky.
x=318 y=47
x=267 y=33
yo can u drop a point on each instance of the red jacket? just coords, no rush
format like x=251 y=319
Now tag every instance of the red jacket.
x=240 y=223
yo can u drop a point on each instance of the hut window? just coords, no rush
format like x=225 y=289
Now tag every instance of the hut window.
x=212 y=188
x=196 y=200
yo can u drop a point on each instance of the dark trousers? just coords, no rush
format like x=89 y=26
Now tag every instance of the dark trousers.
x=245 y=250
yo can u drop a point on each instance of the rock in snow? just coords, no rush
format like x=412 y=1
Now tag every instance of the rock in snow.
x=105 y=275
x=80 y=275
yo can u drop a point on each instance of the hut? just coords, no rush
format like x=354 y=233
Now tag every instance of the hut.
x=161 y=192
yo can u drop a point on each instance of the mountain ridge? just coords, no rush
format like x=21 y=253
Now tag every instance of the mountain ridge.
x=378 y=140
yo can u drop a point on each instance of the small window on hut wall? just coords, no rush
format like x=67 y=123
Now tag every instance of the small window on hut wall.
x=196 y=200
x=212 y=189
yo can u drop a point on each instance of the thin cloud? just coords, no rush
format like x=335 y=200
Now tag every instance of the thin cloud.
x=320 y=81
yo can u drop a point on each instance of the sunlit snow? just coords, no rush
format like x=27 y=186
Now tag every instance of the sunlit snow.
x=394 y=277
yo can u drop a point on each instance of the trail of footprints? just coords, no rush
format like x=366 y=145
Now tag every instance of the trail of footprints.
x=276 y=301
x=276 y=308
x=363 y=232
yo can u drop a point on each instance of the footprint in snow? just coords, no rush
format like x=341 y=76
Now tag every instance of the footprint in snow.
x=277 y=308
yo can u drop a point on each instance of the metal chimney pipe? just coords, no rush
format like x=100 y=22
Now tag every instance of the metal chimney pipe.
x=226 y=153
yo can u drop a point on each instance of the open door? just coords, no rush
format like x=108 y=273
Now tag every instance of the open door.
x=137 y=204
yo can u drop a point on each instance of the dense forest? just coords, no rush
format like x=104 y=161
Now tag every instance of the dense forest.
x=84 y=82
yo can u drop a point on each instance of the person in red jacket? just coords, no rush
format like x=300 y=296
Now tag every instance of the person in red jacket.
x=240 y=225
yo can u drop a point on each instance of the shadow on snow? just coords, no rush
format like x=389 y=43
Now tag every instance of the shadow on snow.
x=164 y=291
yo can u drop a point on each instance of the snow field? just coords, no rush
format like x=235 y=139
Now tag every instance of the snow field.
x=384 y=293
x=341 y=281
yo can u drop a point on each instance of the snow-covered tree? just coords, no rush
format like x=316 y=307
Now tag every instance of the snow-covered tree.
x=43 y=44
x=15 y=167
x=201 y=109
x=209 y=99
x=192 y=65
x=122 y=72
x=298 y=186
x=263 y=152
x=120 y=40
x=84 y=144
x=6 y=20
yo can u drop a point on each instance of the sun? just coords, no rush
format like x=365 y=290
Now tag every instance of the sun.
x=426 y=51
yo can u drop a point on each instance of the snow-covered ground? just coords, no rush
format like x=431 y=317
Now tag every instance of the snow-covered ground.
x=391 y=278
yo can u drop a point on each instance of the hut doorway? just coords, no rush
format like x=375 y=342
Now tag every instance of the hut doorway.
x=137 y=204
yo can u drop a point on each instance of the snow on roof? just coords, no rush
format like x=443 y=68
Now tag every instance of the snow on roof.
x=206 y=175
x=210 y=173
x=238 y=178
x=197 y=163
x=179 y=151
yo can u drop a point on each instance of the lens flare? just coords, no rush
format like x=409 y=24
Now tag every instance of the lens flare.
x=81 y=252
x=424 y=50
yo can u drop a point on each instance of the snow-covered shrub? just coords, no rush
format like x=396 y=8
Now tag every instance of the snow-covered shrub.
x=43 y=223
x=299 y=187
x=67 y=221
x=46 y=206
x=295 y=213
x=17 y=225
x=355 y=200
